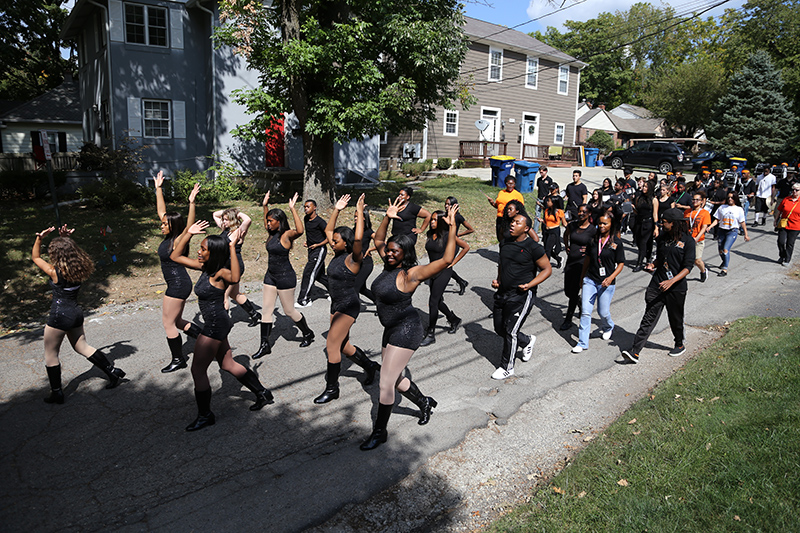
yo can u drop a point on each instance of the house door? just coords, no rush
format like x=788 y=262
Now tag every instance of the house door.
x=492 y=133
x=530 y=129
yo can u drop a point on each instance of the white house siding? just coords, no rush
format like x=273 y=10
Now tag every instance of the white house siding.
x=17 y=137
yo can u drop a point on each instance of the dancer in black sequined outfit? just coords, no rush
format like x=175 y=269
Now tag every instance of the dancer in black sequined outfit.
x=229 y=220
x=69 y=267
x=212 y=343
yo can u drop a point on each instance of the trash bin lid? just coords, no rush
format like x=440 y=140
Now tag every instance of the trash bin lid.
x=502 y=158
x=526 y=164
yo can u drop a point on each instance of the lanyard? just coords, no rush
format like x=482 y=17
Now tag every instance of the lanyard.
x=693 y=218
x=602 y=243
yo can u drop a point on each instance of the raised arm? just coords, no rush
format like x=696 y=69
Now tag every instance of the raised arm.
x=233 y=274
x=161 y=205
x=293 y=234
x=218 y=217
x=420 y=273
x=36 y=255
x=358 y=239
x=265 y=204
x=197 y=228
x=341 y=203
x=192 y=196
x=380 y=234
x=244 y=225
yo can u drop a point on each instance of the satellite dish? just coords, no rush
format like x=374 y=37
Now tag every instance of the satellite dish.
x=482 y=124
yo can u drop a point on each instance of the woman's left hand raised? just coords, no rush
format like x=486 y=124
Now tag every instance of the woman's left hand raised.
x=198 y=227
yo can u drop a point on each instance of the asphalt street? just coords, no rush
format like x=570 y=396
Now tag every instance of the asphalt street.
x=121 y=460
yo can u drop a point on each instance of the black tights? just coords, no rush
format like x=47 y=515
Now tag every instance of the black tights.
x=643 y=234
x=436 y=299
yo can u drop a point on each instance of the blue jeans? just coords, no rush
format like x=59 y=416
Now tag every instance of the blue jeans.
x=726 y=239
x=746 y=207
x=592 y=291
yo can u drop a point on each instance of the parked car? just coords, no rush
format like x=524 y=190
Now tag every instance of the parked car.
x=662 y=155
x=710 y=156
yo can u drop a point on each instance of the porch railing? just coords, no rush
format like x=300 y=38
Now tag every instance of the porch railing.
x=26 y=162
x=481 y=149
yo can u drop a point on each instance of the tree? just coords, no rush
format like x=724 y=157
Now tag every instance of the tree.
x=30 y=48
x=754 y=118
x=602 y=140
x=346 y=68
x=685 y=95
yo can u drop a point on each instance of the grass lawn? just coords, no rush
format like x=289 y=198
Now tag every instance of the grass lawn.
x=127 y=264
x=714 y=448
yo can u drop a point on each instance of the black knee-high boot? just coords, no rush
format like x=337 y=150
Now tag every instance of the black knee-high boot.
x=425 y=403
x=255 y=316
x=308 y=335
x=265 y=348
x=178 y=360
x=263 y=396
x=331 y=384
x=370 y=367
x=54 y=377
x=204 y=415
x=430 y=336
x=193 y=331
x=99 y=360
x=379 y=433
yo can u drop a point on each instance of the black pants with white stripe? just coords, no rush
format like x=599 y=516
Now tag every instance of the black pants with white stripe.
x=655 y=301
x=314 y=271
x=510 y=310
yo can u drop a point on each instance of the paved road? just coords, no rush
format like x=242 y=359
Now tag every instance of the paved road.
x=121 y=460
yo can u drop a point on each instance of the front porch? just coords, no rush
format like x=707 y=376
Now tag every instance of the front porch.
x=544 y=154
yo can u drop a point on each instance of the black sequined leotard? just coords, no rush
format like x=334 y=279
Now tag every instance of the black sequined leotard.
x=179 y=284
x=211 y=301
x=225 y=234
x=342 y=287
x=280 y=273
x=402 y=326
x=65 y=313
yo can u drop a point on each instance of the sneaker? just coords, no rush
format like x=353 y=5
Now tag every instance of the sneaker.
x=577 y=349
x=677 y=351
x=703 y=276
x=527 y=352
x=302 y=305
x=607 y=334
x=722 y=273
x=628 y=358
x=566 y=325
x=502 y=373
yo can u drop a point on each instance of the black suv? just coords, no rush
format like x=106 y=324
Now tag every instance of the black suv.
x=665 y=156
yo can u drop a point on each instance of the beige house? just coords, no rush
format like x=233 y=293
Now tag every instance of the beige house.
x=623 y=123
x=527 y=94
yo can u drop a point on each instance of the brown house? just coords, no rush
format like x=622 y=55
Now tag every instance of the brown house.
x=527 y=94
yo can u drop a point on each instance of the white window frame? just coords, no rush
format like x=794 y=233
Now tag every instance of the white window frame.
x=532 y=72
x=446 y=123
x=492 y=52
x=146 y=11
x=145 y=118
x=562 y=70
x=563 y=133
x=384 y=137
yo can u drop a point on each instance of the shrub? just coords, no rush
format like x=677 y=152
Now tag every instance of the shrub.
x=458 y=163
x=602 y=140
x=115 y=193
x=413 y=169
x=444 y=163
x=125 y=162
x=27 y=183
x=427 y=165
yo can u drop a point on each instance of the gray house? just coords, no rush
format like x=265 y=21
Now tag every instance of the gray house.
x=149 y=72
x=527 y=91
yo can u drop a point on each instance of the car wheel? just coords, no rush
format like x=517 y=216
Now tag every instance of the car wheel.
x=665 y=167
x=616 y=162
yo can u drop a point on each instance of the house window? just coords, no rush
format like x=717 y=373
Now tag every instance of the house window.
x=156 y=118
x=385 y=137
x=563 y=79
x=559 y=136
x=451 y=123
x=495 y=64
x=52 y=140
x=146 y=25
x=532 y=73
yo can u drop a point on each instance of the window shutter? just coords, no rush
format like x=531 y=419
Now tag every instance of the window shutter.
x=179 y=119
x=176 y=28
x=117 y=22
x=62 y=141
x=134 y=117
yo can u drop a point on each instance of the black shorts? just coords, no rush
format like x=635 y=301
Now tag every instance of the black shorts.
x=350 y=307
x=408 y=334
x=283 y=281
x=65 y=317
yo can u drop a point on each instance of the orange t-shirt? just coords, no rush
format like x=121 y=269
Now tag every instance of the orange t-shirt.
x=552 y=221
x=503 y=197
x=698 y=218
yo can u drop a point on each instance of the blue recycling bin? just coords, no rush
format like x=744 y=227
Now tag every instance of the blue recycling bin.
x=526 y=172
x=501 y=166
x=591 y=156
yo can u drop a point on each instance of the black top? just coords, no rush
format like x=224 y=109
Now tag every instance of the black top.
x=579 y=239
x=169 y=268
x=618 y=198
x=684 y=198
x=226 y=235
x=315 y=230
x=607 y=257
x=518 y=263
x=644 y=207
x=459 y=221
x=663 y=205
x=558 y=202
x=64 y=292
x=784 y=187
x=749 y=187
x=673 y=257
x=717 y=195
x=407 y=221
x=543 y=185
x=435 y=247
x=342 y=280
x=393 y=306
x=575 y=195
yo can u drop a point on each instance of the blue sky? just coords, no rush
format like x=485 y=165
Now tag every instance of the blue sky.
x=513 y=12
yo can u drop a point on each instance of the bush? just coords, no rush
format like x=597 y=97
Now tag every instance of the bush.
x=27 y=183
x=602 y=140
x=225 y=188
x=427 y=165
x=125 y=162
x=413 y=169
x=444 y=163
x=458 y=163
x=115 y=193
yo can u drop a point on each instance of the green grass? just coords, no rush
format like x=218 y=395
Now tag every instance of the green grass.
x=714 y=448
x=135 y=236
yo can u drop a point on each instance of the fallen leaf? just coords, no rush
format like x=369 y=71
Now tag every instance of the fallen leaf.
x=652 y=396
x=587 y=438
x=636 y=432
x=582 y=494
x=532 y=476
x=627 y=394
x=714 y=399
x=622 y=482
x=736 y=517
x=559 y=490
x=632 y=421
x=699 y=400
x=677 y=396
x=708 y=446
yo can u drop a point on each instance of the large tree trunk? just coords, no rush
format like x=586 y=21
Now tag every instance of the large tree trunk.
x=318 y=172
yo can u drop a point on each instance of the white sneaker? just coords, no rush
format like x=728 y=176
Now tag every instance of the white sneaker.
x=527 y=352
x=302 y=305
x=607 y=334
x=577 y=349
x=502 y=373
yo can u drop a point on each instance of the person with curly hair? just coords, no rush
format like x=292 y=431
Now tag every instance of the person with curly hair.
x=68 y=268
x=229 y=220
x=280 y=279
x=213 y=256
x=345 y=305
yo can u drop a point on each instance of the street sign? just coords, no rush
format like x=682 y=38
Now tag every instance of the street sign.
x=45 y=142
